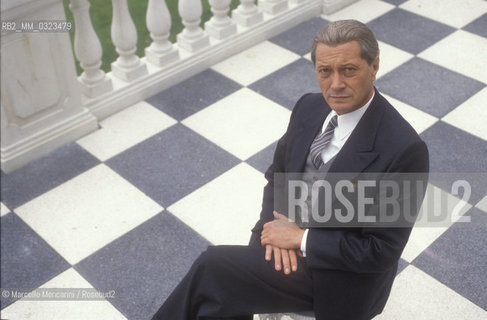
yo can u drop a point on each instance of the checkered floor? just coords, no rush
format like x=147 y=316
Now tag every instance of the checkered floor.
x=131 y=205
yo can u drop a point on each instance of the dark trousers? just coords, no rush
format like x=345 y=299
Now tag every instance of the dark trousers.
x=235 y=282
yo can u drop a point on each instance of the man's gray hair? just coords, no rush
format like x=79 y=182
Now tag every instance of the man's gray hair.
x=343 y=31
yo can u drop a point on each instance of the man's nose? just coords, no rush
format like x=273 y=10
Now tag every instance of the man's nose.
x=337 y=82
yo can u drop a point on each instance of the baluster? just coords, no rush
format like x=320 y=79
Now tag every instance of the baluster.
x=192 y=38
x=124 y=36
x=88 y=50
x=273 y=6
x=247 y=14
x=220 y=25
x=158 y=21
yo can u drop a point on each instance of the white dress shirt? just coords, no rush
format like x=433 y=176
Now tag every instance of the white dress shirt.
x=346 y=123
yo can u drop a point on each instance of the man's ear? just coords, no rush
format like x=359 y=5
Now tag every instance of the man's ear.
x=375 y=67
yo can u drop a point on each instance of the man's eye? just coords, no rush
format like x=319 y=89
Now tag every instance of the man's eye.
x=324 y=70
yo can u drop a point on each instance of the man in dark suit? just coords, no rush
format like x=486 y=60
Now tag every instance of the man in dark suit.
x=340 y=272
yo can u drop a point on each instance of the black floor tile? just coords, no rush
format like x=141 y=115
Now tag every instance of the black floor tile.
x=172 y=164
x=194 y=94
x=144 y=265
x=43 y=174
x=459 y=258
x=27 y=261
x=408 y=31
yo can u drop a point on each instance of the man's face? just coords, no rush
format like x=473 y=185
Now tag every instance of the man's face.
x=346 y=80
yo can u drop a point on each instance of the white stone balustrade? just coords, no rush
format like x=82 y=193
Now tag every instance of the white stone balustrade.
x=273 y=6
x=192 y=38
x=158 y=20
x=41 y=106
x=124 y=36
x=39 y=116
x=88 y=50
x=220 y=25
x=247 y=14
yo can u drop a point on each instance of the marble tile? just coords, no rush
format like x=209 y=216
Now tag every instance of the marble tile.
x=240 y=123
x=458 y=258
x=63 y=310
x=482 y=204
x=461 y=117
x=408 y=31
x=300 y=38
x=3 y=209
x=193 y=94
x=428 y=87
x=457 y=155
x=436 y=215
x=43 y=174
x=450 y=53
x=391 y=58
x=420 y=120
x=171 y=164
x=27 y=261
x=86 y=213
x=416 y=295
x=395 y=2
x=289 y=83
x=478 y=26
x=144 y=265
x=125 y=129
x=263 y=159
x=364 y=11
x=455 y=13
x=255 y=63
x=226 y=209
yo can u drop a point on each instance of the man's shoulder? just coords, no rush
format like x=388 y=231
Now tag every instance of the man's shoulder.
x=311 y=103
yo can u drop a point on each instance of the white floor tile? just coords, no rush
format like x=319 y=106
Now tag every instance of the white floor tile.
x=440 y=204
x=419 y=119
x=471 y=116
x=307 y=56
x=125 y=129
x=63 y=310
x=462 y=51
x=3 y=209
x=242 y=123
x=482 y=204
x=255 y=63
x=416 y=295
x=364 y=11
x=87 y=212
x=391 y=58
x=455 y=13
x=226 y=209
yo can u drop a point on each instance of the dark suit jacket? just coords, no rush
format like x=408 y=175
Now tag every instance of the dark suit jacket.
x=352 y=268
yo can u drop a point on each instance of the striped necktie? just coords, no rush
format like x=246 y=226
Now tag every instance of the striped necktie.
x=321 y=141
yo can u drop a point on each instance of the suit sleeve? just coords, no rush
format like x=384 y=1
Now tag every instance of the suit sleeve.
x=278 y=165
x=367 y=250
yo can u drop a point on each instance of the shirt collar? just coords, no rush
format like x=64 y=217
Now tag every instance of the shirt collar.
x=348 y=121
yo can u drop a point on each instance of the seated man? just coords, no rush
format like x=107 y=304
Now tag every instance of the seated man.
x=343 y=272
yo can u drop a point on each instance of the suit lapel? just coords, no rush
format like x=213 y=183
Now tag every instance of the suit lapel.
x=358 y=152
x=305 y=135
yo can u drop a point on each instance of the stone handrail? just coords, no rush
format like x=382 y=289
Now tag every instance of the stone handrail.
x=44 y=104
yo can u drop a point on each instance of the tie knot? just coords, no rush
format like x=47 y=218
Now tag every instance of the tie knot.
x=333 y=122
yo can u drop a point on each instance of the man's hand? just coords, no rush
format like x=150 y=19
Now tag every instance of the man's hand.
x=288 y=258
x=282 y=238
x=282 y=233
